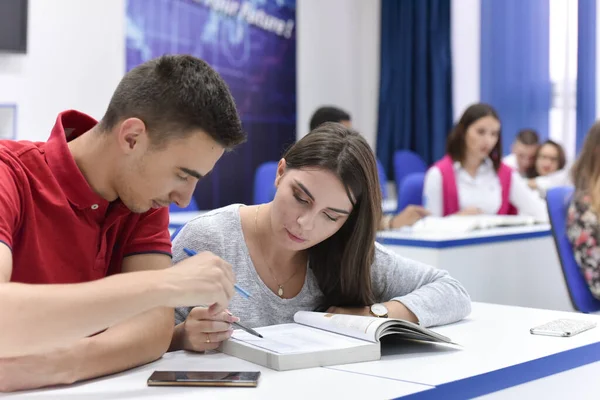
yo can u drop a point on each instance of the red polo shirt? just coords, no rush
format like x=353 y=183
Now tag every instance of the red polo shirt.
x=59 y=229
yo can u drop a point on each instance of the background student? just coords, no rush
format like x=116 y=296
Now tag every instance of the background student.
x=583 y=226
x=471 y=179
x=409 y=215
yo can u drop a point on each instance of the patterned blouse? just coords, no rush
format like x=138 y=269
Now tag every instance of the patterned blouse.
x=583 y=231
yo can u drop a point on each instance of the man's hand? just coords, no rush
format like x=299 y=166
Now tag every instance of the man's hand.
x=408 y=216
x=202 y=331
x=31 y=372
x=201 y=279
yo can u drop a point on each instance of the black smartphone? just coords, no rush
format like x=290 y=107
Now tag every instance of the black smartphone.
x=204 y=378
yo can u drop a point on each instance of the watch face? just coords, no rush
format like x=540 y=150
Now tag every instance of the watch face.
x=379 y=309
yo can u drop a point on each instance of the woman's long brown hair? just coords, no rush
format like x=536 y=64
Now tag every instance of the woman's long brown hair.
x=586 y=170
x=342 y=263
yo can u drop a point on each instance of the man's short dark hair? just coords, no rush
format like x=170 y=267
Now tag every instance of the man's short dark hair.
x=528 y=137
x=328 y=114
x=175 y=95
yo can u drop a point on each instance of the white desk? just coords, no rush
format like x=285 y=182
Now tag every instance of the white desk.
x=498 y=350
x=499 y=354
x=578 y=383
x=316 y=383
x=180 y=218
x=512 y=266
x=389 y=206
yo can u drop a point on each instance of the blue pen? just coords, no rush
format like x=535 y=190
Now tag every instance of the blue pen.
x=237 y=288
x=240 y=291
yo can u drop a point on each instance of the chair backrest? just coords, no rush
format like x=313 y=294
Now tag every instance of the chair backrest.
x=410 y=191
x=382 y=179
x=407 y=162
x=558 y=200
x=264 y=182
x=193 y=206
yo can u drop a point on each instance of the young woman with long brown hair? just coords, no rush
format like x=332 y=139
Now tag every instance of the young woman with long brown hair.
x=471 y=178
x=313 y=248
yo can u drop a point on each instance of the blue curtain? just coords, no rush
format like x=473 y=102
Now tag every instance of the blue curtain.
x=515 y=72
x=586 y=68
x=415 y=93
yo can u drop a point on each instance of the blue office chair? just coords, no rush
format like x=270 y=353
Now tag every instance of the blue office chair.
x=410 y=191
x=407 y=162
x=558 y=200
x=264 y=182
x=382 y=179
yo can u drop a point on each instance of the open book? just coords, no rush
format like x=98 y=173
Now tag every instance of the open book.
x=321 y=339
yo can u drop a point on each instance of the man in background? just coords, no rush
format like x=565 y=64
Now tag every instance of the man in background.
x=406 y=217
x=523 y=152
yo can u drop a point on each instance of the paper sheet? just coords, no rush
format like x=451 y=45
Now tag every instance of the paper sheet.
x=294 y=338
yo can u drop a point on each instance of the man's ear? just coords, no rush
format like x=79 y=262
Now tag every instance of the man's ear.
x=131 y=135
x=280 y=171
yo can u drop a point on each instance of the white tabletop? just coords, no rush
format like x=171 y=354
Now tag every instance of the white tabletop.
x=496 y=341
x=389 y=206
x=183 y=217
x=314 y=383
x=578 y=383
x=493 y=337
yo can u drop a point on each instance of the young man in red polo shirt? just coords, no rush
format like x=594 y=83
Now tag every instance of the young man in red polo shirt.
x=79 y=210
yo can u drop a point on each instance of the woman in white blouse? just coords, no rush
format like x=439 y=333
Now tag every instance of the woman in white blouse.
x=471 y=179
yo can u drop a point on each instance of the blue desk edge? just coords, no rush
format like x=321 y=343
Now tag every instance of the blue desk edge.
x=504 y=378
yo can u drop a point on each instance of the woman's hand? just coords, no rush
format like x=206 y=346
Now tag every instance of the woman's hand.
x=408 y=216
x=201 y=331
x=470 y=211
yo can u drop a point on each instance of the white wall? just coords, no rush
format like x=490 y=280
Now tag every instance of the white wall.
x=466 y=40
x=338 y=60
x=338 y=64
x=75 y=59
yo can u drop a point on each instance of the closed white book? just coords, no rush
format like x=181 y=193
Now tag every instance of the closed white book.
x=322 y=339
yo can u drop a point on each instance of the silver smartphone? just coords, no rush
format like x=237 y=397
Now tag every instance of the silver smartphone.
x=563 y=327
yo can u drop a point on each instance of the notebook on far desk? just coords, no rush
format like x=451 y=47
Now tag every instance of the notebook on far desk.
x=322 y=339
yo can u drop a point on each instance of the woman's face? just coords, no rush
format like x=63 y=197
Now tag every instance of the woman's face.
x=310 y=206
x=547 y=160
x=481 y=137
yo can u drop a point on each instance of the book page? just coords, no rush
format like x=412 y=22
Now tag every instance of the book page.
x=294 y=338
x=356 y=326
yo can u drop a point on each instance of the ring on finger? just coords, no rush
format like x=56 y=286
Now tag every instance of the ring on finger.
x=208 y=338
